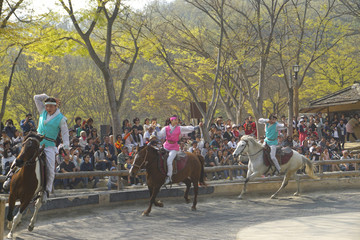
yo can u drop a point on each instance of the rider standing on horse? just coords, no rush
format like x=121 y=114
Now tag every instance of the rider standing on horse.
x=272 y=128
x=51 y=122
x=172 y=133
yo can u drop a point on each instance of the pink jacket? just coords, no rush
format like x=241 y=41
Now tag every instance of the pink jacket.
x=172 y=138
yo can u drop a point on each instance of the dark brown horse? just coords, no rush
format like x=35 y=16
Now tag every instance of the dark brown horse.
x=193 y=172
x=24 y=185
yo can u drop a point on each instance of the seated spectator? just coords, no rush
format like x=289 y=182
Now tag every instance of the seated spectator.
x=193 y=146
x=122 y=156
x=102 y=157
x=205 y=149
x=119 y=143
x=211 y=162
x=75 y=158
x=91 y=148
x=83 y=140
x=232 y=144
x=27 y=124
x=68 y=166
x=113 y=180
x=344 y=166
x=131 y=180
x=8 y=157
x=215 y=144
x=228 y=134
x=109 y=147
x=148 y=133
x=87 y=166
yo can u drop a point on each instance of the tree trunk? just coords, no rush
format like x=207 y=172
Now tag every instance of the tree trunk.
x=291 y=111
x=296 y=100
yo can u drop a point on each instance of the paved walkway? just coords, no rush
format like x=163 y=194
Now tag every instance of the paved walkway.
x=320 y=216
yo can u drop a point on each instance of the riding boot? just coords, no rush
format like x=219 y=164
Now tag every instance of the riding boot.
x=167 y=180
x=45 y=196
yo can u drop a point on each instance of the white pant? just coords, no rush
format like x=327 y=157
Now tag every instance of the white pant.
x=172 y=155
x=273 y=157
x=50 y=153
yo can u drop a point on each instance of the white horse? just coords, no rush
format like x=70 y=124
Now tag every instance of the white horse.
x=256 y=167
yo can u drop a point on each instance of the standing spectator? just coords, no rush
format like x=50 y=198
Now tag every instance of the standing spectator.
x=342 y=132
x=253 y=125
x=146 y=124
x=126 y=124
x=77 y=124
x=27 y=124
x=127 y=136
x=219 y=124
x=81 y=128
x=302 y=131
x=352 y=123
x=87 y=166
x=10 y=128
x=148 y=133
x=248 y=129
x=235 y=131
x=138 y=126
x=89 y=126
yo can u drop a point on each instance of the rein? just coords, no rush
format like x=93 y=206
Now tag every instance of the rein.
x=249 y=155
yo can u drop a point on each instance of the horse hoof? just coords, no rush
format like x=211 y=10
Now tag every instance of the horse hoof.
x=9 y=236
x=240 y=197
x=9 y=225
x=296 y=194
x=159 y=204
x=30 y=228
x=193 y=208
x=273 y=197
x=187 y=200
x=145 y=214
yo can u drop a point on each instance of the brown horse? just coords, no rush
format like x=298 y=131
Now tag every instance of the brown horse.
x=193 y=172
x=24 y=185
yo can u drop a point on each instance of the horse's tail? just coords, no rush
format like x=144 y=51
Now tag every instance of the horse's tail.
x=202 y=174
x=309 y=168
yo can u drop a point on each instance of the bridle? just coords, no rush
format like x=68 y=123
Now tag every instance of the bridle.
x=250 y=155
x=143 y=162
x=32 y=160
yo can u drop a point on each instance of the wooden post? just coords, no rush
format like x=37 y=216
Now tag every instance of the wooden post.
x=231 y=172
x=2 y=217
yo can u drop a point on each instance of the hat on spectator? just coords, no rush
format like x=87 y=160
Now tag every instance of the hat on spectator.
x=102 y=145
x=112 y=168
x=228 y=126
x=29 y=115
x=194 y=142
x=301 y=120
x=234 y=125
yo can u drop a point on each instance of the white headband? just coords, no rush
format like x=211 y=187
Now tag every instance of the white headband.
x=50 y=103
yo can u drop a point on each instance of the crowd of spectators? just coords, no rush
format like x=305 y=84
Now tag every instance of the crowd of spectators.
x=315 y=136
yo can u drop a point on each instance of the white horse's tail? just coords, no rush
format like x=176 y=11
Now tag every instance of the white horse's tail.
x=309 y=168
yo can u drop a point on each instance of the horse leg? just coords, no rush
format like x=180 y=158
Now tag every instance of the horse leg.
x=196 y=189
x=157 y=203
x=249 y=176
x=297 y=178
x=18 y=217
x=284 y=183
x=10 y=210
x=188 y=185
x=152 y=200
x=38 y=205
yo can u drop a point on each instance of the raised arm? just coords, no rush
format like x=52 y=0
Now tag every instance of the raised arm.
x=263 y=120
x=39 y=102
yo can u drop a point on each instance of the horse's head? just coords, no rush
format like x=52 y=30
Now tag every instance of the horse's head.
x=241 y=147
x=30 y=148
x=141 y=159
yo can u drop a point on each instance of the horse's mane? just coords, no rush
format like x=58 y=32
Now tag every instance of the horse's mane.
x=34 y=135
x=251 y=139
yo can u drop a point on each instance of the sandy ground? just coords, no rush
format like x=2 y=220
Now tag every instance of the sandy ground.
x=322 y=215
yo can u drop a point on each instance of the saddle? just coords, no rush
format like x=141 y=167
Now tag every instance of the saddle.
x=283 y=155
x=178 y=163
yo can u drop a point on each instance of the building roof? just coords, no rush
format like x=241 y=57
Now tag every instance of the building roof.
x=347 y=99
